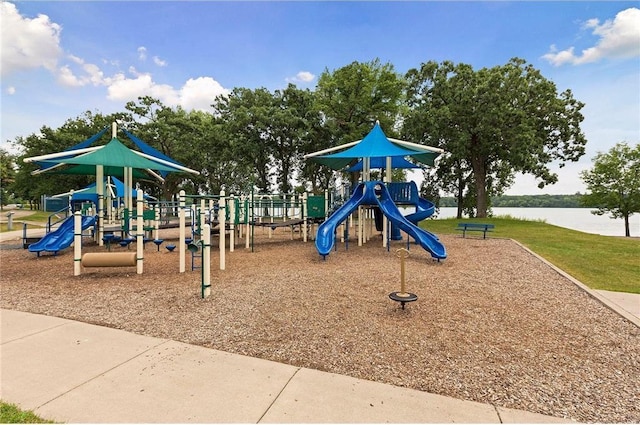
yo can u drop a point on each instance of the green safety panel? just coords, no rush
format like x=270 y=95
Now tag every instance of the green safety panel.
x=86 y=207
x=146 y=215
x=315 y=207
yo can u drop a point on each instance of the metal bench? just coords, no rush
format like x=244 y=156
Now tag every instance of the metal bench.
x=475 y=227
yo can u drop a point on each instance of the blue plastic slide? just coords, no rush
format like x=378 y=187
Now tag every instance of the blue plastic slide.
x=62 y=237
x=326 y=237
x=375 y=193
x=426 y=240
x=424 y=209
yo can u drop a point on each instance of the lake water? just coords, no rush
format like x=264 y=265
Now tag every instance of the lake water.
x=571 y=218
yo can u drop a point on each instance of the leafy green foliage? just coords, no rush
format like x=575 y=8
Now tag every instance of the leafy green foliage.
x=183 y=136
x=7 y=176
x=245 y=116
x=352 y=98
x=614 y=182
x=492 y=122
x=528 y=201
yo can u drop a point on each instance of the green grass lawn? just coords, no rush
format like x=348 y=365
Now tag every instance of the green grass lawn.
x=35 y=216
x=600 y=262
x=12 y=414
x=42 y=216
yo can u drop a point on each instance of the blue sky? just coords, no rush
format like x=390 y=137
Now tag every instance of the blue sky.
x=62 y=58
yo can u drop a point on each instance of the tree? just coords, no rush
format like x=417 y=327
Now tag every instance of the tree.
x=352 y=98
x=245 y=115
x=7 y=176
x=614 y=183
x=493 y=122
x=183 y=136
x=289 y=129
x=73 y=131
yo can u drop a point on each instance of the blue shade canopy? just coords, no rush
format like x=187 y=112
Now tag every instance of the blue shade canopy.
x=374 y=145
x=90 y=141
x=379 y=162
x=150 y=151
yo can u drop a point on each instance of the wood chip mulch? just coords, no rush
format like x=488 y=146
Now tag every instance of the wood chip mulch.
x=492 y=323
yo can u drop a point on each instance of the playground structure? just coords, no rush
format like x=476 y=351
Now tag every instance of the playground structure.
x=239 y=216
x=235 y=216
x=112 y=159
x=377 y=194
x=377 y=150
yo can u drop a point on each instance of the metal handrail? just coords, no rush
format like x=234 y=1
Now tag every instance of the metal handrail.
x=55 y=214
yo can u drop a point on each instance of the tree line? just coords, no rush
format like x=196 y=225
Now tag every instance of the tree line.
x=491 y=122
x=530 y=201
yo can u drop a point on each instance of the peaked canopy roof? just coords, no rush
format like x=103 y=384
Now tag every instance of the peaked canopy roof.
x=151 y=151
x=374 y=145
x=114 y=157
x=115 y=154
x=82 y=145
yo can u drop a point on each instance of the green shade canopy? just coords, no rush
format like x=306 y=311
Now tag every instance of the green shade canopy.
x=114 y=157
x=115 y=154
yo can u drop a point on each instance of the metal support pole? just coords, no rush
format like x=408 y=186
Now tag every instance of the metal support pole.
x=181 y=243
x=140 y=232
x=222 y=225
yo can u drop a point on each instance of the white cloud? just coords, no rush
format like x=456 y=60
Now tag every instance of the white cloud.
x=159 y=61
x=28 y=43
x=67 y=78
x=301 y=77
x=86 y=74
x=95 y=74
x=619 y=38
x=197 y=93
x=142 y=53
x=33 y=43
x=75 y=59
x=133 y=71
x=126 y=89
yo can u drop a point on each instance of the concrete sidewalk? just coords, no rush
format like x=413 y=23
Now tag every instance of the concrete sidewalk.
x=625 y=304
x=16 y=235
x=76 y=372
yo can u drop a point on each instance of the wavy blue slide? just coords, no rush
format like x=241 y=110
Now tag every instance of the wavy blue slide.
x=376 y=193
x=424 y=209
x=326 y=237
x=426 y=240
x=62 y=237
